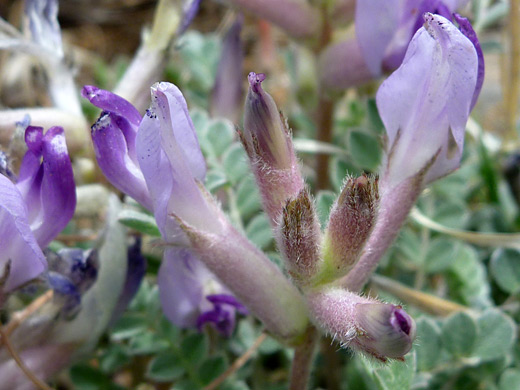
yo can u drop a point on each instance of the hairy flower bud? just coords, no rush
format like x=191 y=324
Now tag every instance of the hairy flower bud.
x=269 y=146
x=382 y=330
x=351 y=221
x=387 y=330
x=265 y=132
x=299 y=238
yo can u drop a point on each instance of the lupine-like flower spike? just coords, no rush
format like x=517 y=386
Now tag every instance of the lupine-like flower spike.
x=299 y=238
x=227 y=93
x=269 y=146
x=351 y=221
x=424 y=106
x=113 y=137
x=381 y=330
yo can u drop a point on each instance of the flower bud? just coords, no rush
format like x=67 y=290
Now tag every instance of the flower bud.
x=385 y=330
x=382 y=330
x=299 y=238
x=265 y=133
x=351 y=221
x=268 y=143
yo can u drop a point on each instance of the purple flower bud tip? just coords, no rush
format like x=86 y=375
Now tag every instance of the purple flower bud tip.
x=387 y=331
x=255 y=81
x=268 y=143
x=402 y=320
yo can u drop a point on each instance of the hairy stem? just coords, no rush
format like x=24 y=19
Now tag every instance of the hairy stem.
x=302 y=360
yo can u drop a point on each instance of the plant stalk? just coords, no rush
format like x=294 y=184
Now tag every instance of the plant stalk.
x=302 y=360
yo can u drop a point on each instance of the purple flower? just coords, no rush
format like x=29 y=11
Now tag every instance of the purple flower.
x=424 y=106
x=425 y=103
x=113 y=136
x=173 y=167
x=466 y=29
x=37 y=208
x=384 y=28
x=171 y=161
x=72 y=272
x=198 y=297
x=21 y=258
x=189 y=219
x=48 y=186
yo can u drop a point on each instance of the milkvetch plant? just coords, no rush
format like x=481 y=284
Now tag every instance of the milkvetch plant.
x=184 y=273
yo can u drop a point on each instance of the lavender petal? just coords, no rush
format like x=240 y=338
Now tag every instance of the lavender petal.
x=425 y=103
x=19 y=247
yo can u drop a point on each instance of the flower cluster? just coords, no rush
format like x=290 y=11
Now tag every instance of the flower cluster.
x=209 y=267
x=157 y=161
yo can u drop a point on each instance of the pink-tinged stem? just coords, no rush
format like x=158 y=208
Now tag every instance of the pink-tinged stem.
x=302 y=361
